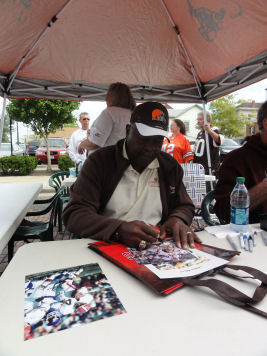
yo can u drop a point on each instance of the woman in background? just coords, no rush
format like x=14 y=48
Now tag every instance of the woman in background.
x=179 y=146
x=110 y=126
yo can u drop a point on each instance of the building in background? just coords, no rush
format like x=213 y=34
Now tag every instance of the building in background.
x=65 y=133
x=249 y=110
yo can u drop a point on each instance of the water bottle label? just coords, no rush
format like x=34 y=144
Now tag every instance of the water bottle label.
x=239 y=216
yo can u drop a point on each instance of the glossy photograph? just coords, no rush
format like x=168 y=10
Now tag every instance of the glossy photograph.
x=66 y=298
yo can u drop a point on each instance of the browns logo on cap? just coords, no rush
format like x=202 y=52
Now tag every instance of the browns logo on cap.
x=157 y=115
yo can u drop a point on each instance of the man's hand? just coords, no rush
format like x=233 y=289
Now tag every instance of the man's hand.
x=133 y=232
x=206 y=127
x=87 y=145
x=81 y=148
x=182 y=235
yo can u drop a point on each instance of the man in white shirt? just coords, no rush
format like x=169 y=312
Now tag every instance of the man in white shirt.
x=77 y=137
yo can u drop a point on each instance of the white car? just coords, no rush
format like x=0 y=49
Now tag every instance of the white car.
x=6 y=150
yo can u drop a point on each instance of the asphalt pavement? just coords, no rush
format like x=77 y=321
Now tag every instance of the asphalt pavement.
x=40 y=174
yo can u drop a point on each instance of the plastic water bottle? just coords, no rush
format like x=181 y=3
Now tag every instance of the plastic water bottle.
x=239 y=201
x=79 y=166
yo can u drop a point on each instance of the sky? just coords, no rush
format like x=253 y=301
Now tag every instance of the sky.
x=257 y=92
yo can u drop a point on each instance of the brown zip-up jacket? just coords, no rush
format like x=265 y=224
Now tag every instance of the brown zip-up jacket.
x=97 y=181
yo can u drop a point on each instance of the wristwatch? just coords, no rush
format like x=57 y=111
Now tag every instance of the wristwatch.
x=114 y=237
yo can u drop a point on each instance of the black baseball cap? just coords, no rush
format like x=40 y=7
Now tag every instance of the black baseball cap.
x=151 y=119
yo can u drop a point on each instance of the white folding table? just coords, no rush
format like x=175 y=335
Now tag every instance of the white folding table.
x=189 y=321
x=15 y=201
x=68 y=181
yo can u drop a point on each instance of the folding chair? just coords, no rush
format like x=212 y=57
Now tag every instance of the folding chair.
x=42 y=230
x=55 y=182
x=194 y=181
x=195 y=185
x=207 y=210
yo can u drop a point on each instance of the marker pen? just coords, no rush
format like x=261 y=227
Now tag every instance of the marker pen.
x=245 y=238
x=250 y=244
x=232 y=243
x=264 y=237
x=241 y=240
x=254 y=238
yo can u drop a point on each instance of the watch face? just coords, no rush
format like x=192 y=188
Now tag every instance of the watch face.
x=115 y=237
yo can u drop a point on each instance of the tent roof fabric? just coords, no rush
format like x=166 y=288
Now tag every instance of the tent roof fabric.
x=165 y=50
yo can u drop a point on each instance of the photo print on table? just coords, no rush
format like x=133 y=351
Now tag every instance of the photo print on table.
x=62 y=299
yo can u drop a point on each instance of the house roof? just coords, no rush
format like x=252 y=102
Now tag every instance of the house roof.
x=173 y=113
x=249 y=105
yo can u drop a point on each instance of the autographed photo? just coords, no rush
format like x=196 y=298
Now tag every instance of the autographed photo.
x=168 y=261
x=65 y=298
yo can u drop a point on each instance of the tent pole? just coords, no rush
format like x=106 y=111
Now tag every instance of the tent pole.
x=2 y=119
x=197 y=81
x=207 y=143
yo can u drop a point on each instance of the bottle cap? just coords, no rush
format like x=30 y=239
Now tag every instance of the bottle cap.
x=240 y=179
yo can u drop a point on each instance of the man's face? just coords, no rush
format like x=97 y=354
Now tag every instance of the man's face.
x=200 y=121
x=84 y=120
x=142 y=150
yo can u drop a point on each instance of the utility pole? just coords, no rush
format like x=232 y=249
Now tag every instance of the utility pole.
x=11 y=139
x=17 y=133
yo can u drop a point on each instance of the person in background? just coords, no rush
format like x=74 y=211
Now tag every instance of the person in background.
x=178 y=146
x=215 y=140
x=125 y=189
x=110 y=126
x=250 y=162
x=77 y=137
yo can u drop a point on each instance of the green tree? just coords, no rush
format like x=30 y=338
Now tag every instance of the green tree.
x=224 y=116
x=43 y=116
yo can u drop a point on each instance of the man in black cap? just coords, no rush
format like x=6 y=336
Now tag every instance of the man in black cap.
x=124 y=190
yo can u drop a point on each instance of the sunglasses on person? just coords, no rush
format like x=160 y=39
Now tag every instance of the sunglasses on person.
x=86 y=118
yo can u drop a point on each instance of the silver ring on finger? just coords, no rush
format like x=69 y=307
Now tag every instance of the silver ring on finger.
x=142 y=245
x=189 y=233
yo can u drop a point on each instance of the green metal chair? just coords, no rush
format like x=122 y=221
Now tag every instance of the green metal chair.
x=55 y=182
x=42 y=230
x=207 y=210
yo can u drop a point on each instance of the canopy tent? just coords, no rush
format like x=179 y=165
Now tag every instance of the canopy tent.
x=166 y=50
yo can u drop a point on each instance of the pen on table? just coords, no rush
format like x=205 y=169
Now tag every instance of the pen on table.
x=250 y=244
x=245 y=238
x=254 y=238
x=264 y=237
x=232 y=243
x=241 y=240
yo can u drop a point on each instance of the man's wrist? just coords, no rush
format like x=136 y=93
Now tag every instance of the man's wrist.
x=178 y=219
x=115 y=236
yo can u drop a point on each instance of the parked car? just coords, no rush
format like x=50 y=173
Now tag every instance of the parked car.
x=6 y=150
x=32 y=147
x=227 y=146
x=240 y=141
x=23 y=146
x=57 y=146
